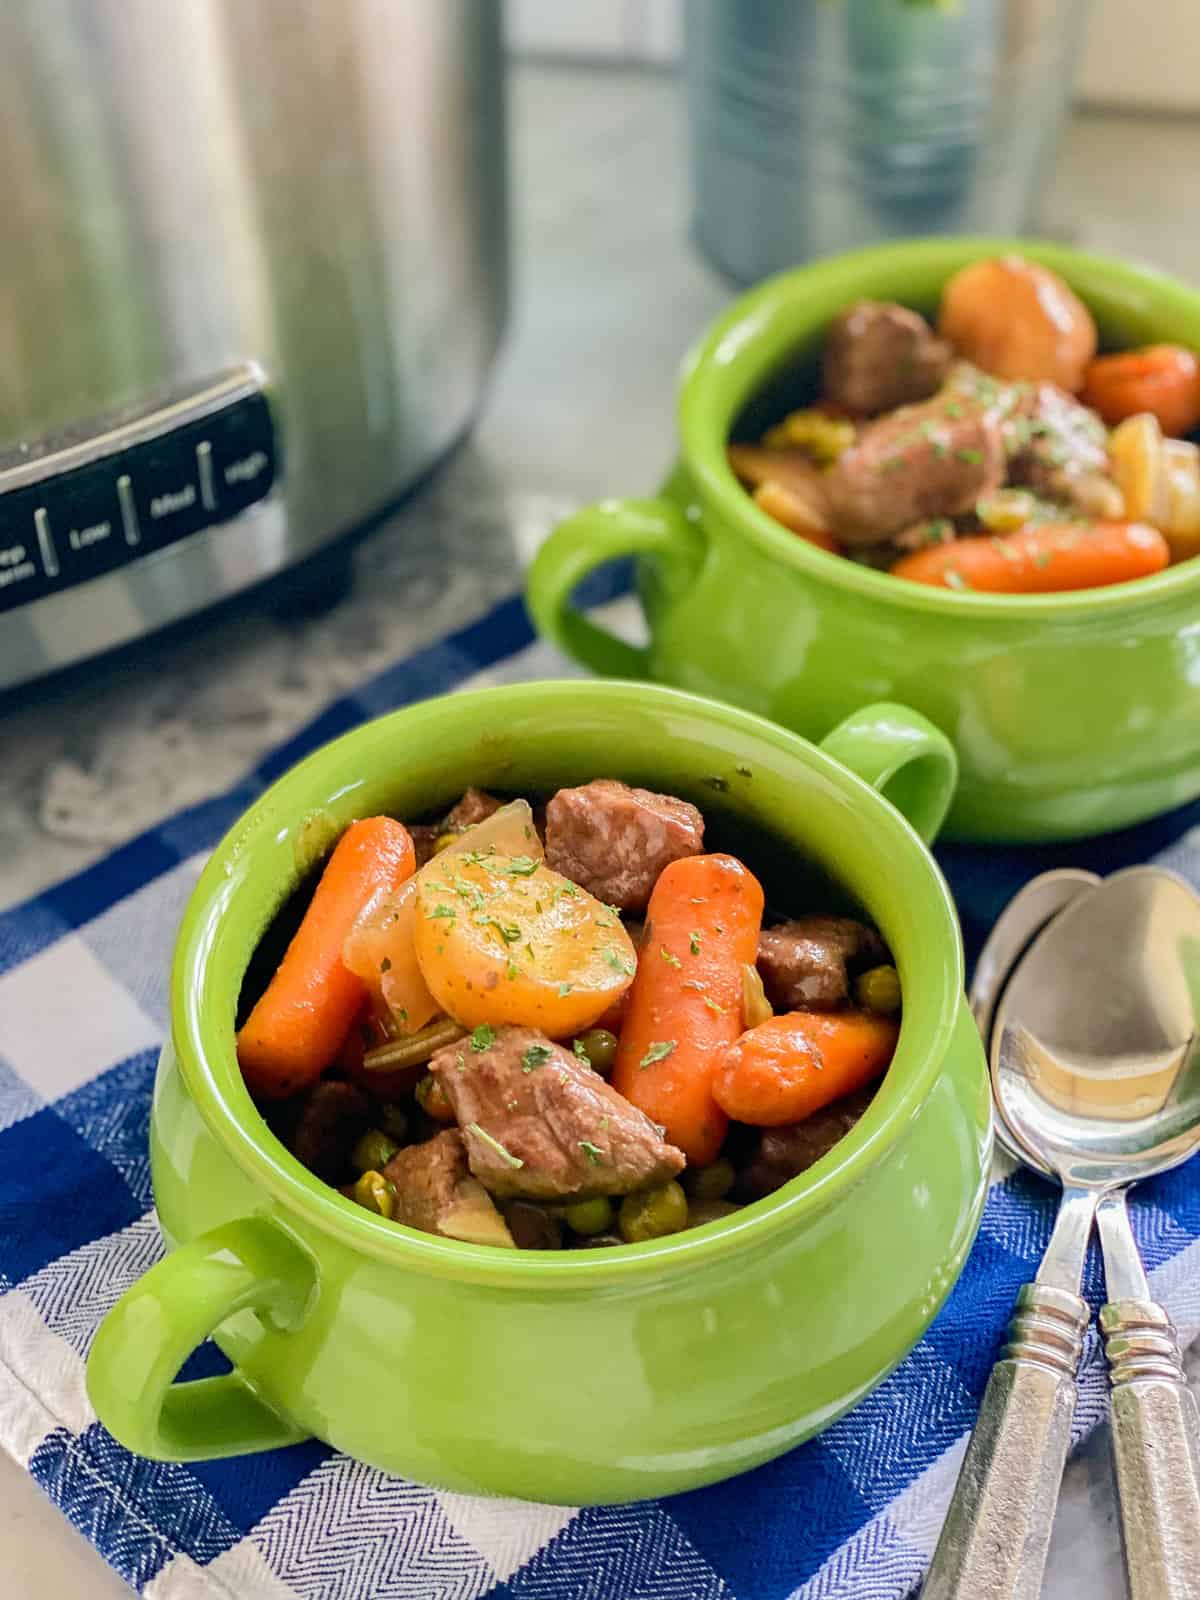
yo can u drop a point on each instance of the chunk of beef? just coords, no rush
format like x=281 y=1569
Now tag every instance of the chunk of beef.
x=614 y=841
x=475 y=806
x=539 y=1124
x=930 y=460
x=879 y=355
x=784 y=1153
x=425 y=836
x=436 y=1193
x=332 y=1117
x=806 y=964
x=1059 y=449
x=532 y=1226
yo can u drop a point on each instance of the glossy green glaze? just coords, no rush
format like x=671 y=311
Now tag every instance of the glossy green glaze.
x=1072 y=714
x=705 y=1353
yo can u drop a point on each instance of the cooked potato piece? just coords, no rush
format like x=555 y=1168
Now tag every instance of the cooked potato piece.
x=381 y=948
x=504 y=939
x=1018 y=321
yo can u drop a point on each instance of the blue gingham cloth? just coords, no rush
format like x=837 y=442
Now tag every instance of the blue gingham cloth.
x=854 y=1513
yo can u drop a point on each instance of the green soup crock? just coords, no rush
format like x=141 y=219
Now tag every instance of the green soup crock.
x=1072 y=713
x=582 y=1376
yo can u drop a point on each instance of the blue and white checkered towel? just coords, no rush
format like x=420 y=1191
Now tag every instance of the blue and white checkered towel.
x=854 y=1513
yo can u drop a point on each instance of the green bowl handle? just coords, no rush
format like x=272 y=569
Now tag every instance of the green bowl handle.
x=597 y=534
x=904 y=756
x=153 y=1328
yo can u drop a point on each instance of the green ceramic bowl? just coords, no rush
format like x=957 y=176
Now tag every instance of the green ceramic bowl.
x=700 y=1355
x=1072 y=714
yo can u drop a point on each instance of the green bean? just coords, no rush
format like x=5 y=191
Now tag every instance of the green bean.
x=653 y=1213
x=415 y=1048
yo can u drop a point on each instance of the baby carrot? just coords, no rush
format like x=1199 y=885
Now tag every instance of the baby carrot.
x=1160 y=378
x=1043 y=558
x=310 y=1005
x=790 y=1066
x=685 y=1006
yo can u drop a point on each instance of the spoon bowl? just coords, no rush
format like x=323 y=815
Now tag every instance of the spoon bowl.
x=1096 y=1076
x=1096 y=1051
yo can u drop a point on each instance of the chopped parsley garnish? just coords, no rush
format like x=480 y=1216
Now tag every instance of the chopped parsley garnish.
x=713 y=1005
x=386 y=964
x=580 y=1050
x=444 y=911
x=1043 y=558
x=970 y=455
x=954 y=410
x=672 y=961
x=657 y=1052
x=508 y=931
x=592 y=1151
x=564 y=989
x=955 y=579
x=522 y=867
x=620 y=963
x=490 y=1139
x=512 y=970
x=694 y=942
x=536 y=1056
x=483 y=1037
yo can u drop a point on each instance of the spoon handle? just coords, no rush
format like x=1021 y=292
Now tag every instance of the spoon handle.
x=1155 y=1426
x=996 y=1534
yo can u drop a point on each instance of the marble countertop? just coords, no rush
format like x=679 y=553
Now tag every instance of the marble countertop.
x=609 y=294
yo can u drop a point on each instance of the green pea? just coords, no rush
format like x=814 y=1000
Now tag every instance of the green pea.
x=373 y=1151
x=600 y=1047
x=653 y=1214
x=878 y=990
x=375 y=1193
x=589 y=1216
x=394 y=1121
x=712 y=1182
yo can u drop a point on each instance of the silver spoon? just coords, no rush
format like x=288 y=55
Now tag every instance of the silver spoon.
x=995 y=1539
x=1096 y=1070
x=1025 y=915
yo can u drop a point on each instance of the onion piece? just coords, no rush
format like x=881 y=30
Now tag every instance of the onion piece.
x=756 y=1007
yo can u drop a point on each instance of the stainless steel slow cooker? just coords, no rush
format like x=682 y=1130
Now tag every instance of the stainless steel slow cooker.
x=252 y=276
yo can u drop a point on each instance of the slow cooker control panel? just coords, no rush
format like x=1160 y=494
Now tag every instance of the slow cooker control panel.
x=83 y=504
